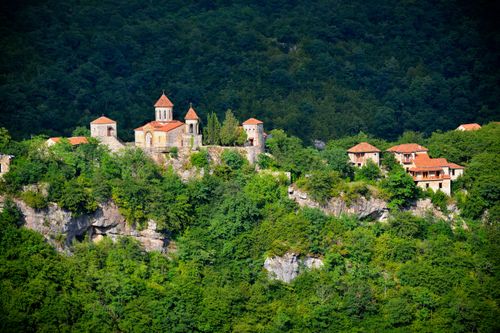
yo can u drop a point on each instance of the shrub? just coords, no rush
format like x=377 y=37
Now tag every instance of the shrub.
x=232 y=159
x=370 y=171
x=174 y=152
x=34 y=199
x=199 y=159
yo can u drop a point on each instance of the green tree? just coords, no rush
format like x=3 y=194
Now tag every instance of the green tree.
x=229 y=132
x=212 y=132
x=401 y=188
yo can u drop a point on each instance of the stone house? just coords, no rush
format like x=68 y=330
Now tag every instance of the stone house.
x=164 y=132
x=105 y=130
x=361 y=153
x=468 y=127
x=427 y=172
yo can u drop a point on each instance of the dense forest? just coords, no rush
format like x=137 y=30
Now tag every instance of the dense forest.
x=318 y=69
x=409 y=274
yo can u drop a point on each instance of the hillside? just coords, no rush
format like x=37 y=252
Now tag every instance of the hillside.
x=230 y=225
x=319 y=70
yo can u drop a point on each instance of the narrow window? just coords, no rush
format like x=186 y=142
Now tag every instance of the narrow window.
x=440 y=185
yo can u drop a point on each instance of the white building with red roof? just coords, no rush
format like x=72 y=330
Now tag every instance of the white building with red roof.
x=105 y=130
x=165 y=132
x=361 y=153
x=254 y=130
x=427 y=172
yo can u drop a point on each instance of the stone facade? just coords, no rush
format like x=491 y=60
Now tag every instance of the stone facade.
x=254 y=130
x=361 y=153
x=164 y=133
x=428 y=173
x=106 y=131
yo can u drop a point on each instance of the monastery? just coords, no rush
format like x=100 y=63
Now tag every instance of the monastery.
x=164 y=133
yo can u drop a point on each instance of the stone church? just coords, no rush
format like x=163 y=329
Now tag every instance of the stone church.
x=165 y=132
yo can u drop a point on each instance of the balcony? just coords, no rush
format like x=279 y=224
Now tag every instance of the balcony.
x=407 y=161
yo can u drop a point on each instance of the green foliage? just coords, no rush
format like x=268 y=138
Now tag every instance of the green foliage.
x=81 y=131
x=199 y=159
x=174 y=152
x=34 y=199
x=401 y=187
x=370 y=171
x=319 y=184
x=77 y=198
x=212 y=132
x=338 y=160
x=232 y=159
x=229 y=132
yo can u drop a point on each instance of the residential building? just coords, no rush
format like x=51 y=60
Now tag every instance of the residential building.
x=427 y=172
x=363 y=152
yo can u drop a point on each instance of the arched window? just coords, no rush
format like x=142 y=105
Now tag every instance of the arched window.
x=191 y=129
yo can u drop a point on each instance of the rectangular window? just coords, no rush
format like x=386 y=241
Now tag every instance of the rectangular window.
x=426 y=185
x=440 y=185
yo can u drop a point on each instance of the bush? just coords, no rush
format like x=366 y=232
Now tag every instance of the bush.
x=199 y=159
x=77 y=198
x=232 y=159
x=34 y=199
x=401 y=187
x=174 y=152
x=370 y=171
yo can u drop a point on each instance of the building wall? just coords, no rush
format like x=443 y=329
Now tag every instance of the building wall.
x=434 y=185
x=362 y=160
x=255 y=133
x=160 y=140
x=455 y=173
x=101 y=130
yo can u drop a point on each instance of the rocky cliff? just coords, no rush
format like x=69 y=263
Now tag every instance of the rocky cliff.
x=61 y=228
x=289 y=266
x=362 y=208
x=372 y=208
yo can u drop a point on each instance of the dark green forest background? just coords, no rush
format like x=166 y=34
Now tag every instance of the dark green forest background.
x=318 y=69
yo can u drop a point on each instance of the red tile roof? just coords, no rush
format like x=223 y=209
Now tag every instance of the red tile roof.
x=363 y=147
x=191 y=114
x=76 y=140
x=407 y=148
x=162 y=126
x=455 y=166
x=424 y=161
x=103 y=120
x=252 y=121
x=163 y=102
x=469 y=127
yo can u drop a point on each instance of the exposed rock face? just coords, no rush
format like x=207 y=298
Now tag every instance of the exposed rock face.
x=289 y=266
x=423 y=207
x=361 y=208
x=60 y=227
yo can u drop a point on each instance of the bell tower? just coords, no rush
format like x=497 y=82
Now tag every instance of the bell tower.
x=164 y=109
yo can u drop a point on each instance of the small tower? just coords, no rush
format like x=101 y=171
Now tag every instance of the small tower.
x=103 y=127
x=163 y=109
x=192 y=136
x=254 y=129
